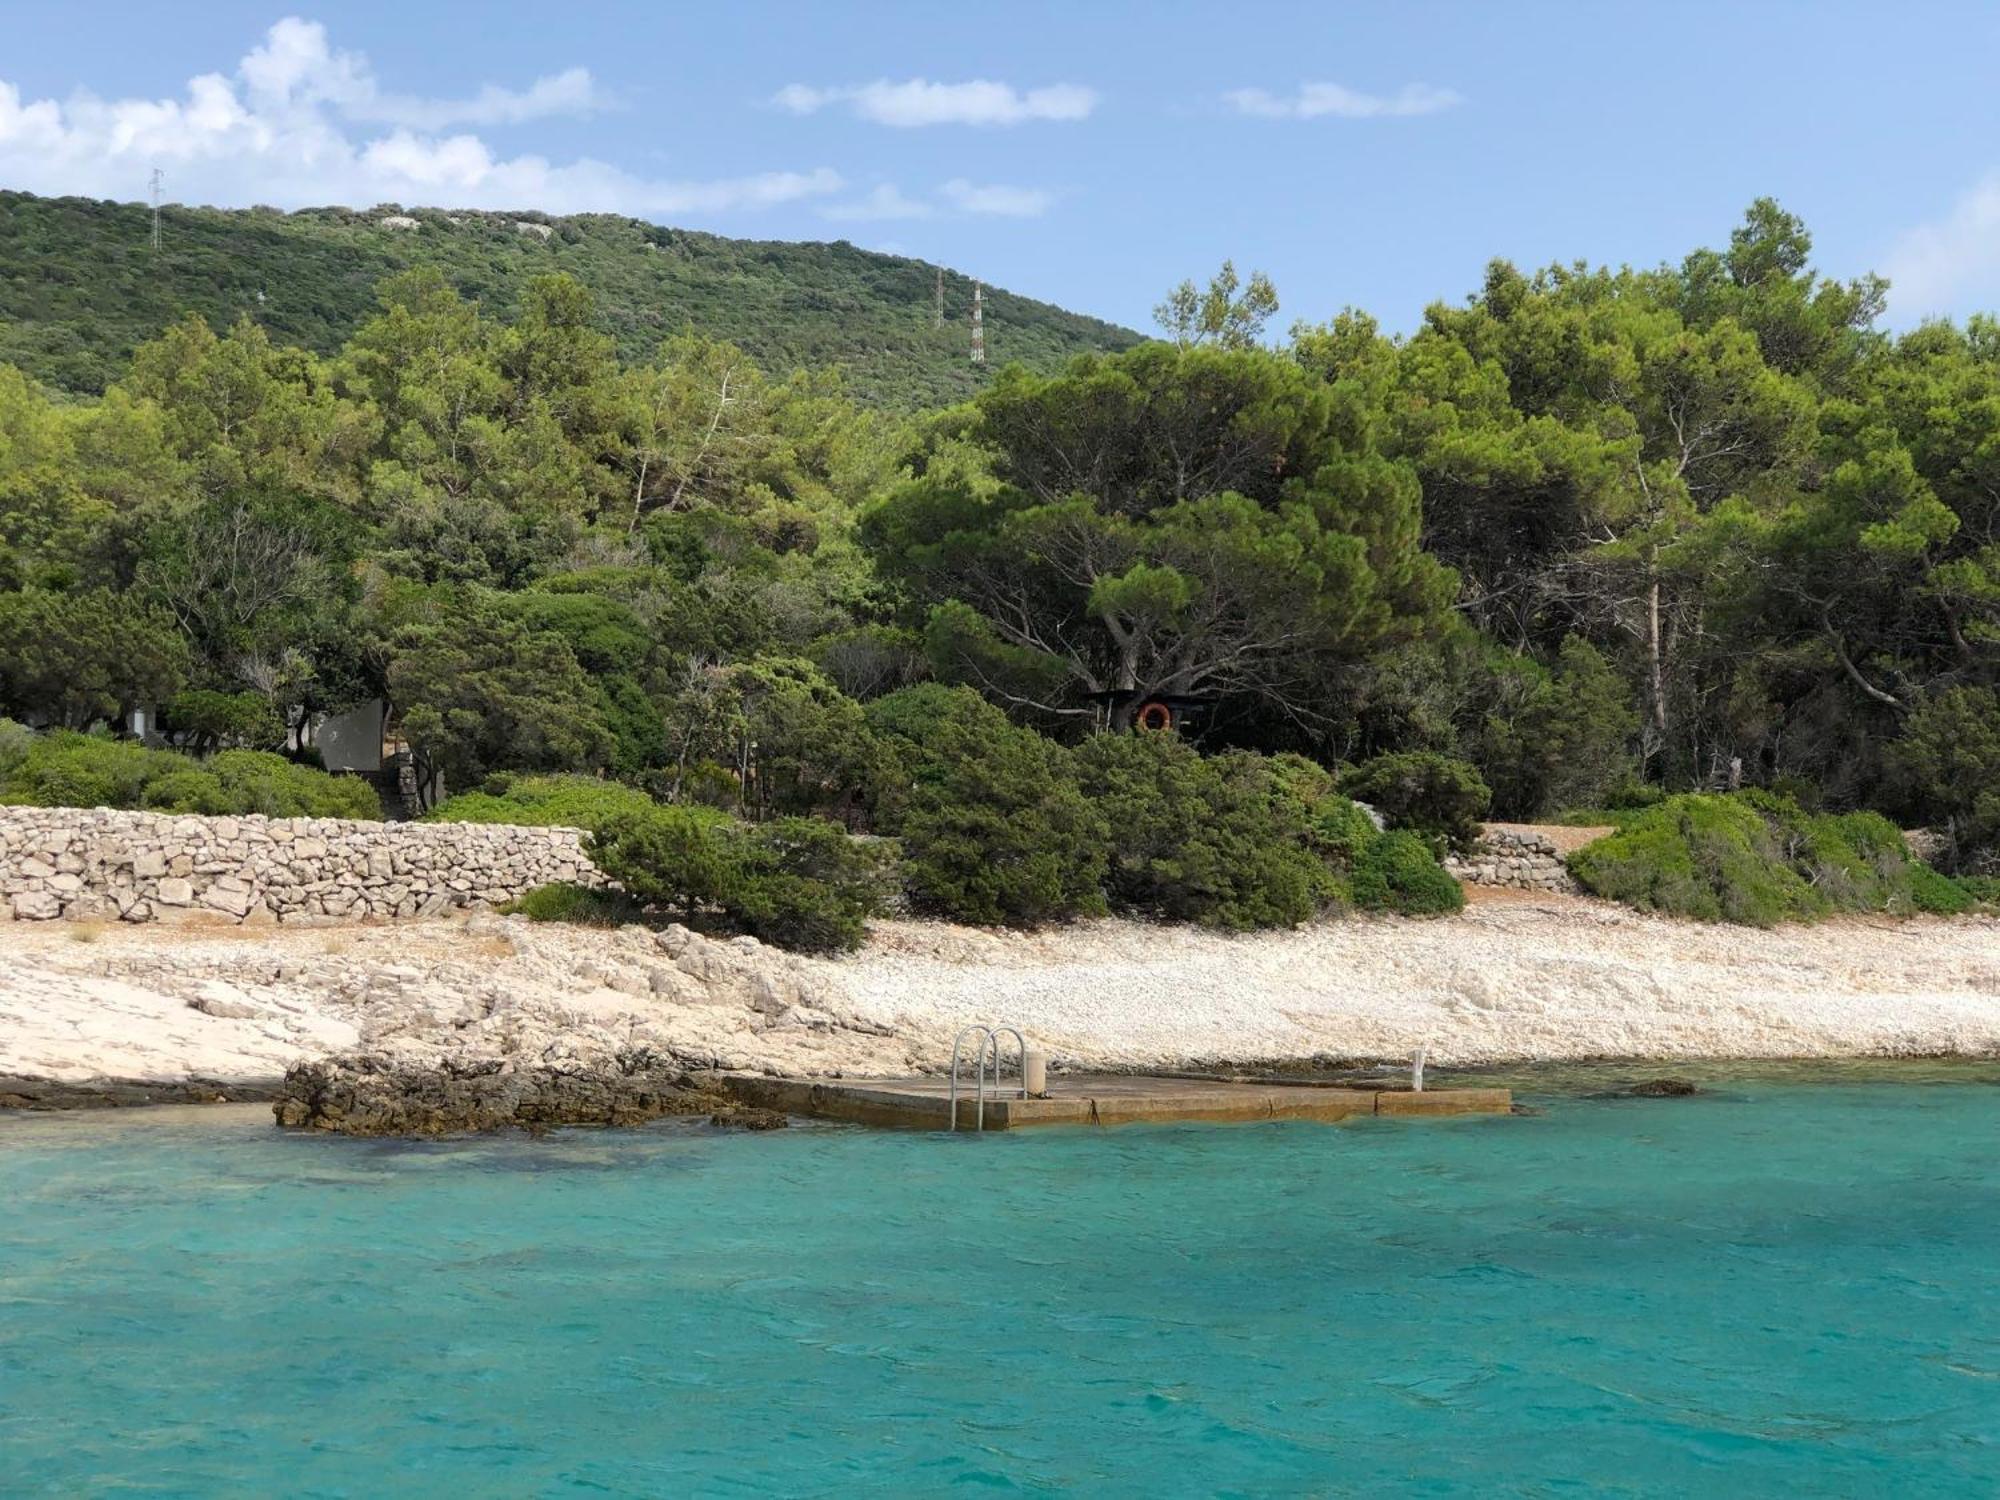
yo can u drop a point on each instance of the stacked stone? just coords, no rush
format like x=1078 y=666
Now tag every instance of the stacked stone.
x=142 y=867
x=1513 y=857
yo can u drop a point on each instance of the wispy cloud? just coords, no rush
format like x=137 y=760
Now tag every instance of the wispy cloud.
x=997 y=198
x=299 y=122
x=918 y=102
x=296 y=66
x=884 y=202
x=1313 y=100
x=1951 y=261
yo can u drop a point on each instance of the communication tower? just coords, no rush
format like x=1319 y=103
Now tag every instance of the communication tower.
x=978 y=326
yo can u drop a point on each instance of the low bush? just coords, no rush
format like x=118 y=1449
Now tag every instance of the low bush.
x=806 y=885
x=543 y=802
x=1758 y=858
x=256 y=781
x=799 y=883
x=208 y=718
x=995 y=829
x=1220 y=840
x=66 y=769
x=577 y=905
x=1397 y=871
x=1427 y=793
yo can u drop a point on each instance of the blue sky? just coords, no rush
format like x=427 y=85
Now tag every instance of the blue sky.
x=1090 y=154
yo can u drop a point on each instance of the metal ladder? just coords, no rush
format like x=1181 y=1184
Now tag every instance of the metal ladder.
x=989 y=1052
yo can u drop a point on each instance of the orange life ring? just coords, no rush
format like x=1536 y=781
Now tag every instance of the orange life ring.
x=1154 y=715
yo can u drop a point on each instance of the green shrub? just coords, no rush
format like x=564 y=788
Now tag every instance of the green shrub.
x=1397 y=871
x=1422 y=791
x=210 y=717
x=682 y=858
x=577 y=905
x=1982 y=890
x=544 y=802
x=191 y=790
x=15 y=742
x=996 y=829
x=806 y=885
x=66 y=769
x=800 y=883
x=1948 y=760
x=1220 y=840
x=1758 y=858
x=256 y=781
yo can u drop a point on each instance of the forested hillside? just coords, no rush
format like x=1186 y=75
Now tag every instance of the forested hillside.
x=1583 y=541
x=81 y=288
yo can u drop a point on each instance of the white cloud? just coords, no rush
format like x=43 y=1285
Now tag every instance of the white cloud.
x=1949 y=263
x=921 y=102
x=1315 y=99
x=296 y=67
x=996 y=198
x=294 y=125
x=884 y=202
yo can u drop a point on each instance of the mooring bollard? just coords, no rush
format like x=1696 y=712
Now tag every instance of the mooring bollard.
x=1035 y=1074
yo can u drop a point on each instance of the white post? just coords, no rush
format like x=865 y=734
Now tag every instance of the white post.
x=1417 y=1071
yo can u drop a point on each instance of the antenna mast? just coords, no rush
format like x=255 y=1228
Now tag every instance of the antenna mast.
x=157 y=178
x=978 y=327
x=938 y=320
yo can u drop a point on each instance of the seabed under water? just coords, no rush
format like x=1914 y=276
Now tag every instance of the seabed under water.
x=1786 y=1285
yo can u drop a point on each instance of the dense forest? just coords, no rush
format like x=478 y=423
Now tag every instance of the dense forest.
x=81 y=288
x=1586 y=540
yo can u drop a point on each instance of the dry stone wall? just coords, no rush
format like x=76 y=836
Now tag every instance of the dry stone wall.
x=143 y=867
x=1513 y=857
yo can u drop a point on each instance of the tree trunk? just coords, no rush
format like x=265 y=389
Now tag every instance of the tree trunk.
x=1656 y=661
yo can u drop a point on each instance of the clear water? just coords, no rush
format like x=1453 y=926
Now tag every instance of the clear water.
x=1778 y=1289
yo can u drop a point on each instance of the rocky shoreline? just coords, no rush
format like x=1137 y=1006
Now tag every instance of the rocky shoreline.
x=479 y=1021
x=372 y=1096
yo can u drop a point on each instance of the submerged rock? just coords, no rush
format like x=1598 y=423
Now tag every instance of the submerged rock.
x=1663 y=1088
x=364 y=1095
x=749 y=1117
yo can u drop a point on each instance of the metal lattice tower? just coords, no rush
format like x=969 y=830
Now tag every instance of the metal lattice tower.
x=158 y=177
x=978 y=326
x=938 y=320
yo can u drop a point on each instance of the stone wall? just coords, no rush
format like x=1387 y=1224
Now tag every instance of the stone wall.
x=142 y=867
x=1513 y=857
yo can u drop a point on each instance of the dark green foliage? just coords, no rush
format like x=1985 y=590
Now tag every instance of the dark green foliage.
x=85 y=658
x=1427 y=793
x=317 y=269
x=1215 y=840
x=799 y=883
x=997 y=830
x=1759 y=859
x=922 y=715
x=577 y=905
x=1397 y=871
x=805 y=885
x=202 y=719
x=1949 y=759
x=682 y=858
x=480 y=692
x=1550 y=739
x=1983 y=890
x=65 y=769
x=544 y=802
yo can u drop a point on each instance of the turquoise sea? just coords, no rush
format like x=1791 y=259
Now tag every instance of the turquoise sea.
x=1787 y=1287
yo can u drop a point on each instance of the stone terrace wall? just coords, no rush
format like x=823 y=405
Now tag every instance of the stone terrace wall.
x=142 y=867
x=1513 y=857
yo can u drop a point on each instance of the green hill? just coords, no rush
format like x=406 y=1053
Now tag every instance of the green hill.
x=80 y=286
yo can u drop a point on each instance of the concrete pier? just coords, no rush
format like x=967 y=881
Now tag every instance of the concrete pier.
x=1099 y=1099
